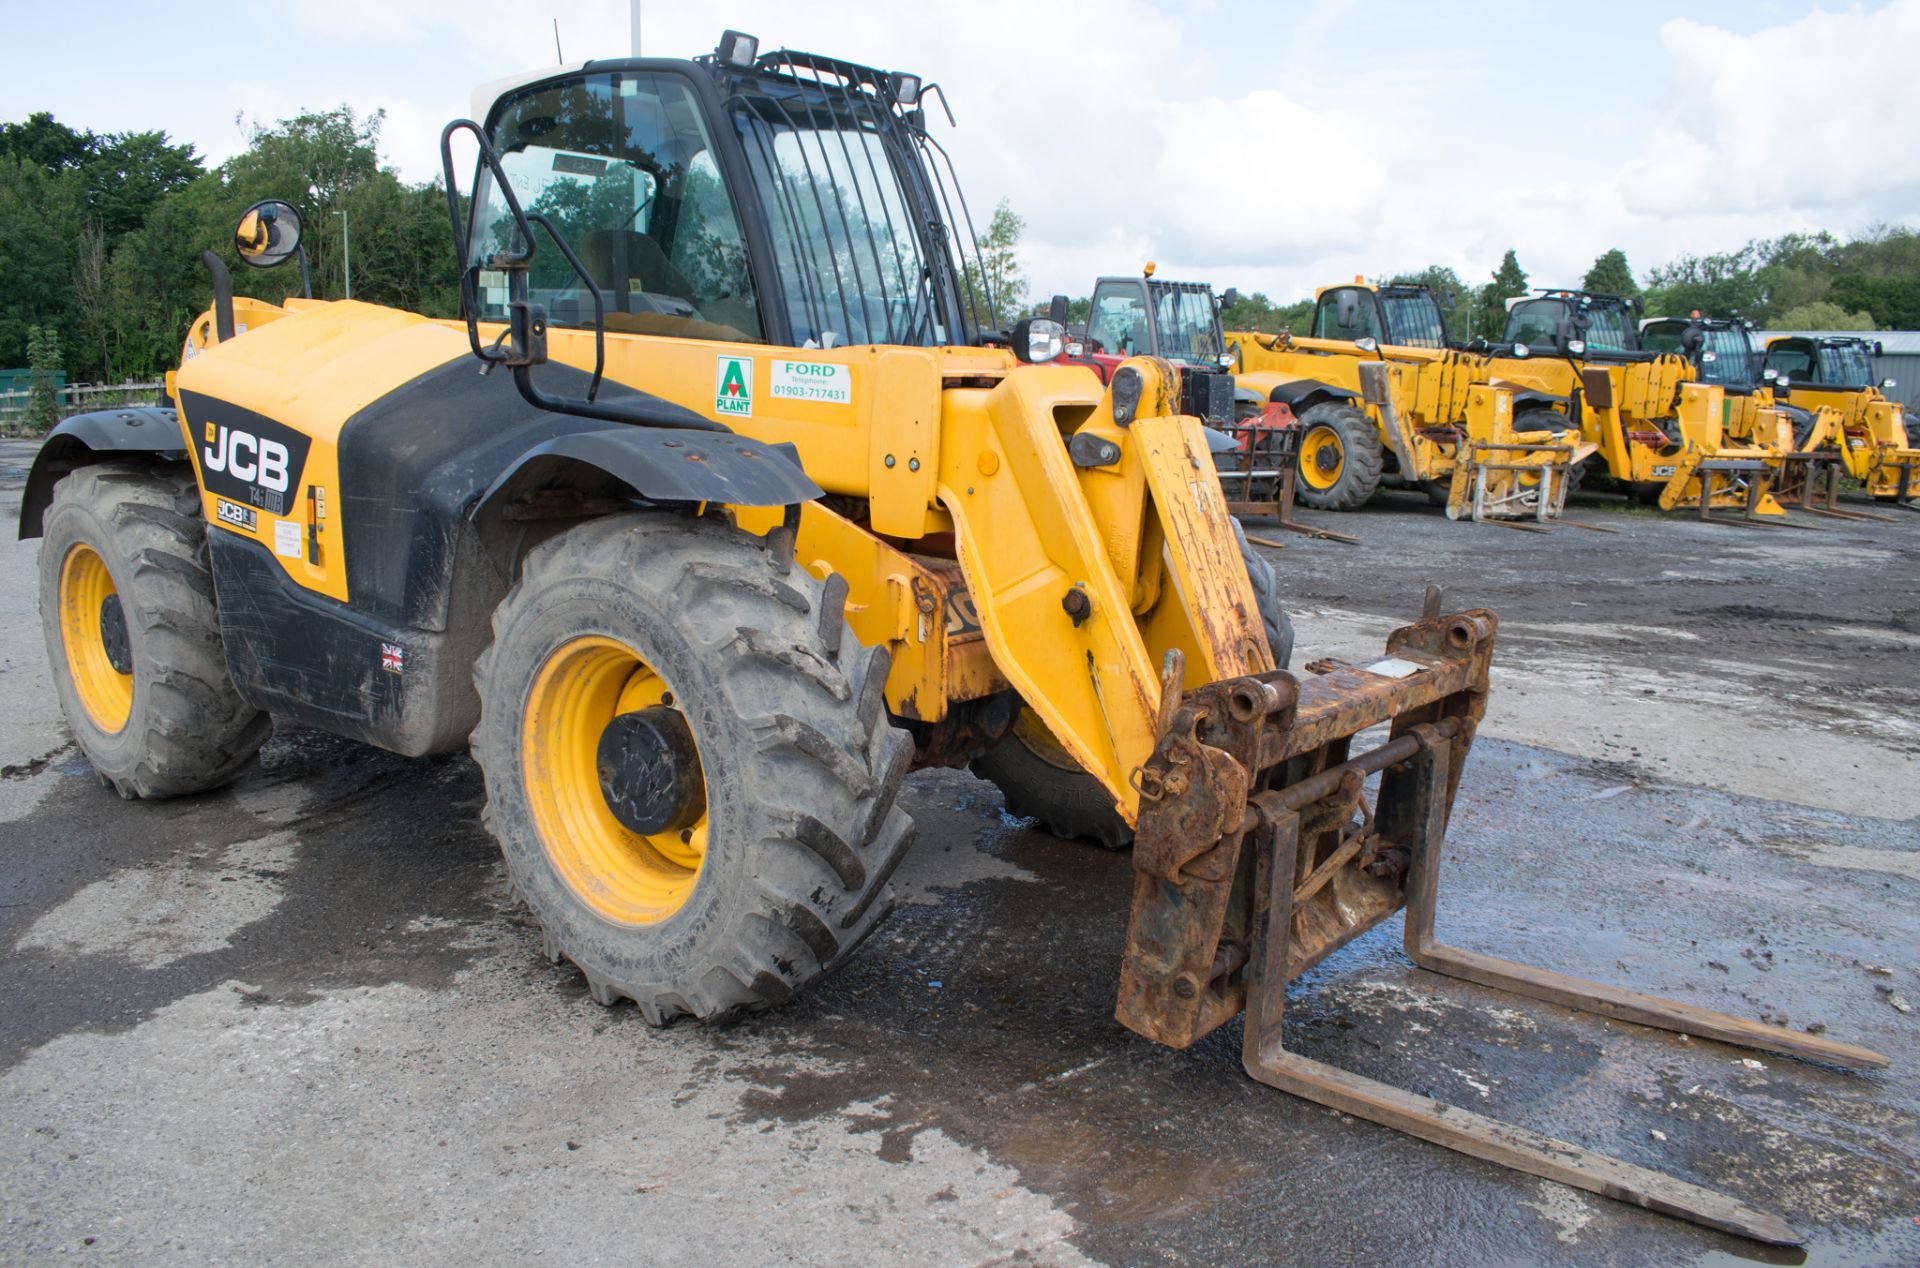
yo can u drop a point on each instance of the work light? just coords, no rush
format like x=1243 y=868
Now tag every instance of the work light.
x=738 y=49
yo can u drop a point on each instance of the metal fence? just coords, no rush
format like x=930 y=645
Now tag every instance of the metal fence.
x=77 y=398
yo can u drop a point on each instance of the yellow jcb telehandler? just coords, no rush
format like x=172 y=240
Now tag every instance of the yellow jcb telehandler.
x=1383 y=401
x=717 y=513
x=1800 y=442
x=1868 y=433
x=1658 y=430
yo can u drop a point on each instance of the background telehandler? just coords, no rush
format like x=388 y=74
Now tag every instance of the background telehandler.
x=1383 y=401
x=1658 y=430
x=1806 y=463
x=1868 y=432
x=717 y=513
x=1254 y=438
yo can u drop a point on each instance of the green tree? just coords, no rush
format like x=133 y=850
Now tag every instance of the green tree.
x=1509 y=282
x=46 y=143
x=43 y=359
x=1257 y=312
x=1893 y=302
x=1820 y=315
x=1005 y=282
x=1724 y=285
x=126 y=175
x=1448 y=291
x=1610 y=275
x=39 y=219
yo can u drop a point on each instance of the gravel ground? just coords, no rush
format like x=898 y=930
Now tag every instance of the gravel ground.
x=302 y=1019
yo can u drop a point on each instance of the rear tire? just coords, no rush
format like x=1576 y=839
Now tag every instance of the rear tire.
x=1040 y=780
x=1340 y=457
x=798 y=830
x=133 y=634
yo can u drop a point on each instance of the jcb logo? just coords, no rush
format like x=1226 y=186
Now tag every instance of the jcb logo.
x=246 y=457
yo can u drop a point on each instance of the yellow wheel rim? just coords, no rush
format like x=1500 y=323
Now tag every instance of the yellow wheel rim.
x=625 y=876
x=1321 y=457
x=85 y=587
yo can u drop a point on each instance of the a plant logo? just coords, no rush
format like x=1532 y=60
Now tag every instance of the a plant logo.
x=733 y=386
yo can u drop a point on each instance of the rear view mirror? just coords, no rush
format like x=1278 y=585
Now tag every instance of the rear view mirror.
x=1057 y=309
x=268 y=234
x=1347 y=310
x=1230 y=298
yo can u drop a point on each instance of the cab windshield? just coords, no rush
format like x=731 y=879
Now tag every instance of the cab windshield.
x=1189 y=327
x=861 y=267
x=1542 y=323
x=1845 y=365
x=622 y=166
x=1731 y=364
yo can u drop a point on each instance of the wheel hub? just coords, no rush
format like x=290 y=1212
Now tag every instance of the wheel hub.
x=113 y=635
x=650 y=771
x=1327 y=458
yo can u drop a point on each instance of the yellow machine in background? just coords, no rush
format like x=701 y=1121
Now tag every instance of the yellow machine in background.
x=1659 y=434
x=700 y=547
x=1384 y=401
x=1869 y=433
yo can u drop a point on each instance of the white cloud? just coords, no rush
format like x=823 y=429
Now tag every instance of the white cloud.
x=1807 y=116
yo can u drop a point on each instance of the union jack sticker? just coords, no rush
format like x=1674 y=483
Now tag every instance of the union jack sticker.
x=393 y=658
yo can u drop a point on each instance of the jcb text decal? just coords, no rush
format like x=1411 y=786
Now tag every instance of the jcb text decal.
x=246 y=457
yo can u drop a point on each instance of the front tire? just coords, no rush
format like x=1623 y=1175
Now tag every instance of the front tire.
x=1040 y=780
x=127 y=606
x=776 y=866
x=1340 y=457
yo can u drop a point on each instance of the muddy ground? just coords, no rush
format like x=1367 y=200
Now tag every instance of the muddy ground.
x=302 y=1019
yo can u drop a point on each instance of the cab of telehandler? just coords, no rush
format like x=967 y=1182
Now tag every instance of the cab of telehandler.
x=1398 y=315
x=1579 y=324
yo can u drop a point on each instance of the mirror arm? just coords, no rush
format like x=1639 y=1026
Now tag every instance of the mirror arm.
x=469 y=302
x=599 y=304
x=306 y=283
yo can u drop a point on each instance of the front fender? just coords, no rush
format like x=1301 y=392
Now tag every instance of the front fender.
x=1299 y=392
x=666 y=466
x=96 y=437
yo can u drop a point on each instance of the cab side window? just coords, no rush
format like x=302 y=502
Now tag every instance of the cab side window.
x=1118 y=321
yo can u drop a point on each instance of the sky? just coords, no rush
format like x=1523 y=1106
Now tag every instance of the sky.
x=1272 y=147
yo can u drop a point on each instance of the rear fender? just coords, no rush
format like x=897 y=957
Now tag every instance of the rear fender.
x=149 y=430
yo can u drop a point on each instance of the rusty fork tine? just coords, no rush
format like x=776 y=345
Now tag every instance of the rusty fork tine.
x=1267 y=1060
x=1643 y=1010
x=1516 y=1147
x=1597 y=997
